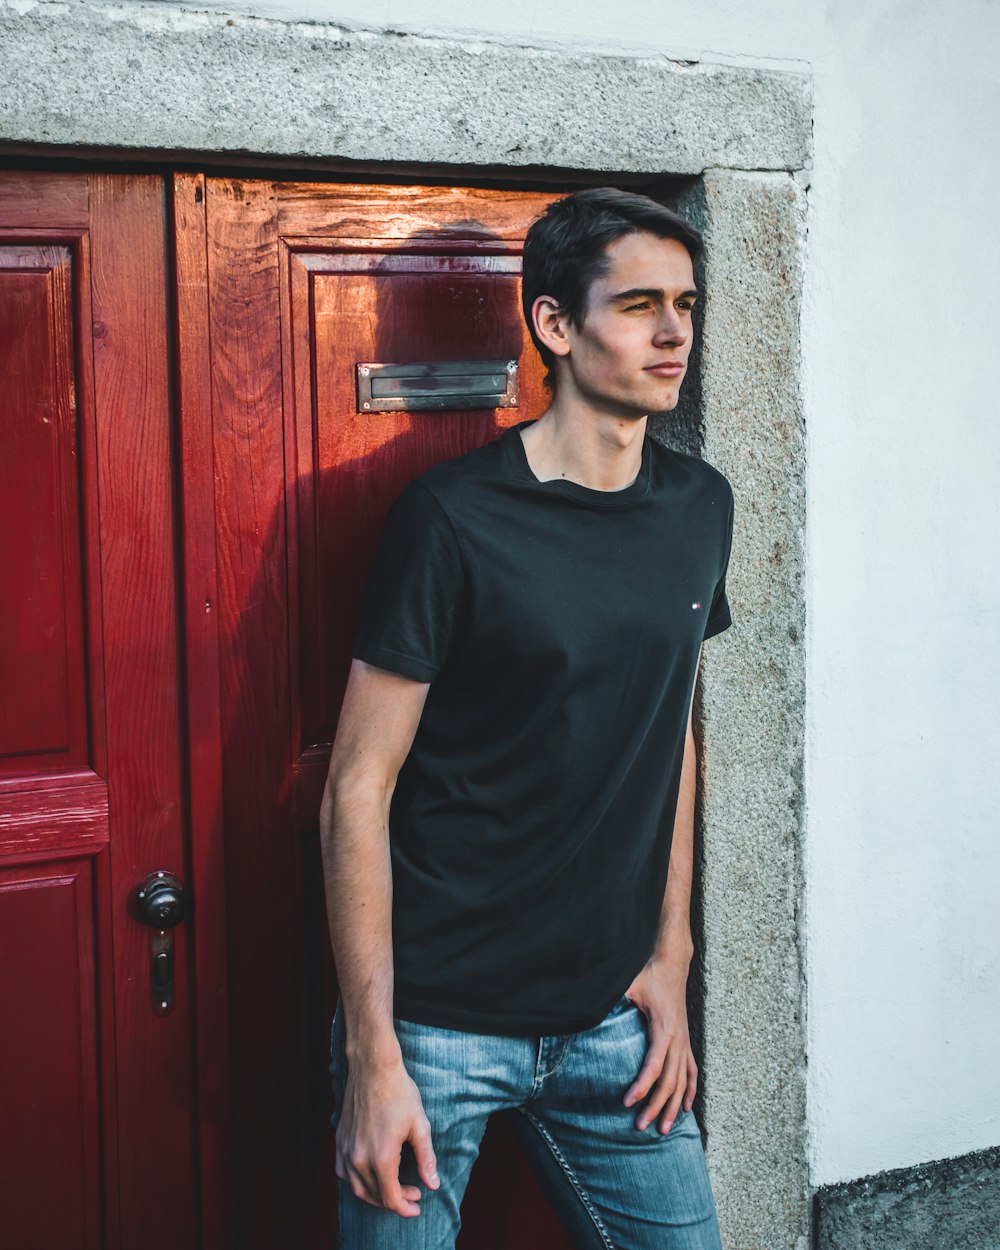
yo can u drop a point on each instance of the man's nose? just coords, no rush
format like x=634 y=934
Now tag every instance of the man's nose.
x=671 y=329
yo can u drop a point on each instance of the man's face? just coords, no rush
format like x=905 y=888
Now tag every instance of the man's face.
x=630 y=355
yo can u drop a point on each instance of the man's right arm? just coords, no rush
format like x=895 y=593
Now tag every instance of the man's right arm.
x=382 y=1107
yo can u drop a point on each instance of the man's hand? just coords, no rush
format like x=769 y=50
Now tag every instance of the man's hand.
x=669 y=1074
x=382 y=1110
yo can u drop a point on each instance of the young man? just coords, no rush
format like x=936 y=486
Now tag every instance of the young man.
x=514 y=773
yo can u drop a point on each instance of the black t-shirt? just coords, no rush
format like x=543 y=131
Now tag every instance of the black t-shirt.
x=559 y=627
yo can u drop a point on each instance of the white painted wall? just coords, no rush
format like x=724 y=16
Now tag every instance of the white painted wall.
x=902 y=320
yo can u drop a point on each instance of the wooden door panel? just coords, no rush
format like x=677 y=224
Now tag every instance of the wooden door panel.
x=43 y=721
x=124 y=749
x=262 y=869
x=91 y=747
x=60 y=1135
x=305 y=282
x=202 y=705
x=371 y=214
x=155 y=1072
x=51 y=657
x=385 y=306
x=52 y=1112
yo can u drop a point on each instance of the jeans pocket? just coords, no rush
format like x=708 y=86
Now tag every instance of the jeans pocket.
x=622 y=1005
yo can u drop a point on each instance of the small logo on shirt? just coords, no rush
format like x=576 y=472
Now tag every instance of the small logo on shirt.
x=696 y=605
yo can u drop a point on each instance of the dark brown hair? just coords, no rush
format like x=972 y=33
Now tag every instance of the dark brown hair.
x=565 y=250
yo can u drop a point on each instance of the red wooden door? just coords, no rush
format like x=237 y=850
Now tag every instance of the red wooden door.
x=189 y=498
x=102 y=1142
x=304 y=283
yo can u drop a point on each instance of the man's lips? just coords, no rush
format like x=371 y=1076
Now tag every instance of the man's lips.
x=668 y=369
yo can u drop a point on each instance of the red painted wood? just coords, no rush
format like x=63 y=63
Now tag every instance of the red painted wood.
x=40 y=821
x=392 y=308
x=58 y=1179
x=43 y=723
x=204 y=716
x=263 y=862
x=104 y=492
x=50 y=1180
x=193 y=553
x=42 y=202
x=139 y=575
x=305 y=281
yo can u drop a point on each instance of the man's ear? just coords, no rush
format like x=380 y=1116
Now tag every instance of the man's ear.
x=550 y=325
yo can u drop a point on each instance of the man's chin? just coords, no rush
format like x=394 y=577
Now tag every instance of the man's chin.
x=662 y=404
x=639 y=406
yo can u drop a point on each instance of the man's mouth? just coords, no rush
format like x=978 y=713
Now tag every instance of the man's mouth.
x=667 y=369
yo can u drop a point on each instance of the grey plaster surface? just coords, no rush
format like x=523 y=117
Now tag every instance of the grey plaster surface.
x=753 y=715
x=946 y=1205
x=156 y=78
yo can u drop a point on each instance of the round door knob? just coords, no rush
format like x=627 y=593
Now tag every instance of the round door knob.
x=162 y=901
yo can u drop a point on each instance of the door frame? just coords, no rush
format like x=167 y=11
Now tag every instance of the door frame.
x=417 y=108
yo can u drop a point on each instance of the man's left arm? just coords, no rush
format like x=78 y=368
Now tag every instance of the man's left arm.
x=669 y=1074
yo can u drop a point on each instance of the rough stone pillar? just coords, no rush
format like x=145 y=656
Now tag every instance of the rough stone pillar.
x=753 y=716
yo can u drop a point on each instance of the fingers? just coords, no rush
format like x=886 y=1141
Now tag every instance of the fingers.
x=692 y=1083
x=375 y=1180
x=389 y=1189
x=652 y=1066
x=377 y=1183
x=669 y=1077
x=424 y=1152
x=684 y=1089
x=356 y=1179
x=671 y=1101
x=665 y=1088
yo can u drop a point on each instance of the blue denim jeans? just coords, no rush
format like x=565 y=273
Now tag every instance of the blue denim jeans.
x=613 y=1186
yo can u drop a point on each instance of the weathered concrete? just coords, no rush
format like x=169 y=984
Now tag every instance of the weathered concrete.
x=753 y=714
x=937 y=1206
x=156 y=78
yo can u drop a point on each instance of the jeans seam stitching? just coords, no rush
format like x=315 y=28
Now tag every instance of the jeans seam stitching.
x=571 y=1176
x=542 y=1076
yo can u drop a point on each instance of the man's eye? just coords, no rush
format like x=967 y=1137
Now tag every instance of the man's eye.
x=633 y=307
x=685 y=304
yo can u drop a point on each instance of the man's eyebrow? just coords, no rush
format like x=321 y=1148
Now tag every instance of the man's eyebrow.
x=652 y=292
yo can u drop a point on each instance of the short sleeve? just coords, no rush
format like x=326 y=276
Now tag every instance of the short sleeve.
x=414 y=593
x=719 y=617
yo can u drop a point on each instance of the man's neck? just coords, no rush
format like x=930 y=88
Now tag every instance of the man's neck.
x=598 y=450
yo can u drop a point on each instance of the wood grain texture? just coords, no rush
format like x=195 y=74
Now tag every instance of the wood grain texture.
x=376 y=212
x=43 y=200
x=43 y=663
x=204 y=715
x=51 y=1113
x=145 y=777
x=362 y=273
x=214 y=555
x=394 y=307
x=263 y=863
x=59 y=1177
x=33 y=822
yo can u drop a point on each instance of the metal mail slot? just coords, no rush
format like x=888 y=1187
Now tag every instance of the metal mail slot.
x=437 y=384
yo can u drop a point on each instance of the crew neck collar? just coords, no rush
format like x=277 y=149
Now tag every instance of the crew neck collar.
x=518 y=460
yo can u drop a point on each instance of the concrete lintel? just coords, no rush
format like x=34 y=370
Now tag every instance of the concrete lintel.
x=157 y=78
